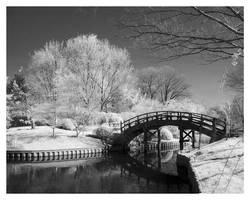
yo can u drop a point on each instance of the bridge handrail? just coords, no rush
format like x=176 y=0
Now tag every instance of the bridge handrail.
x=201 y=118
x=138 y=116
x=180 y=112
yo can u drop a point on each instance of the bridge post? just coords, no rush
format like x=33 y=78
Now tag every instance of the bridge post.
x=121 y=127
x=214 y=131
x=159 y=139
x=200 y=131
x=193 y=139
x=145 y=142
x=137 y=120
x=159 y=148
x=181 y=138
x=199 y=139
x=190 y=117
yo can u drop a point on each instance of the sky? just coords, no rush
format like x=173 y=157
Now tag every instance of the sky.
x=29 y=28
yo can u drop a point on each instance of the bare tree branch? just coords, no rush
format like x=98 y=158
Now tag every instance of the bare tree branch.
x=172 y=33
x=162 y=83
x=218 y=21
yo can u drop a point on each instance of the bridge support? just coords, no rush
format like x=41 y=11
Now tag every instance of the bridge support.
x=145 y=142
x=159 y=140
x=181 y=138
x=193 y=139
x=159 y=148
x=147 y=135
x=185 y=136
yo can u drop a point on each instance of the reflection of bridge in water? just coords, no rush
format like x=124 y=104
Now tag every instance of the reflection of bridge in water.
x=188 y=123
x=151 y=172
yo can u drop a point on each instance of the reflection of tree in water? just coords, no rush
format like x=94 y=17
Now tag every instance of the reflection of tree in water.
x=154 y=158
x=102 y=175
x=149 y=175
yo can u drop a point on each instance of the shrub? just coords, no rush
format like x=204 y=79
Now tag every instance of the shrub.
x=66 y=124
x=107 y=118
x=174 y=131
x=17 y=121
x=149 y=105
x=41 y=122
x=146 y=105
x=105 y=133
x=114 y=118
x=8 y=120
x=185 y=105
x=8 y=124
x=165 y=133
x=233 y=113
x=127 y=115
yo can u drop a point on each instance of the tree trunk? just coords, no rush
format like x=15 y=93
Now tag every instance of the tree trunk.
x=54 y=124
x=101 y=107
x=32 y=123
x=53 y=131
x=77 y=132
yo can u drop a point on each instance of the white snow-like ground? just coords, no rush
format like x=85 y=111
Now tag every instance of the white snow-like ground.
x=25 y=138
x=219 y=167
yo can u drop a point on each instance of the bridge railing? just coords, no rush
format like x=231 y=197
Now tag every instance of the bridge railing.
x=204 y=121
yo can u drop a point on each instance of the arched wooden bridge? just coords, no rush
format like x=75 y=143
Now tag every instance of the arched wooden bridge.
x=187 y=123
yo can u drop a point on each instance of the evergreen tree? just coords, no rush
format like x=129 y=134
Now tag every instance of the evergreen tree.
x=17 y=101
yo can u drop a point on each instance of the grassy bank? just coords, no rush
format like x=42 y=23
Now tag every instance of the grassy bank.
x=40 y=138
x=219 y=167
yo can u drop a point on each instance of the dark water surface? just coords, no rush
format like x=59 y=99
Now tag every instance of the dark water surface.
x=116 y=173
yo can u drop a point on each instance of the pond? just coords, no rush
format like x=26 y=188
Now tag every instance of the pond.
x=116 y=173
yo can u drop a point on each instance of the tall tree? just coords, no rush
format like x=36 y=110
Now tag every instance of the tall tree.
x=113 y=75
x=233 y=80
x=94 y=72
x=148 y=81
x=162 y=83
x=232 y=112
x=42 y=78
x=172 y=85
x=234 y=77
x=174 y=32
x=237 y=112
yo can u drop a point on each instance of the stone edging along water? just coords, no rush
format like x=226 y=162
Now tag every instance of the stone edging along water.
x=53 y=155
x=68 y=154
x=185 y=170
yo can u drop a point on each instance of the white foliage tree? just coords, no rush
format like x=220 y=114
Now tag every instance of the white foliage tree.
x=42 y=79
x=94 y=72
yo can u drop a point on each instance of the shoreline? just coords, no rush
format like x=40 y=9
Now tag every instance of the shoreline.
x=76 y=153
x=26 y=144
x=217 y=167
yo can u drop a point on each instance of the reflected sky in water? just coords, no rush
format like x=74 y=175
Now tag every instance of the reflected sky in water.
x=154 y=173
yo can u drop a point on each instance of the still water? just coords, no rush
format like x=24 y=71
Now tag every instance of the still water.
x=116 y=173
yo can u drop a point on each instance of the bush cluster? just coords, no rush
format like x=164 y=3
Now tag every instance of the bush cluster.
x=105 y=133
x=66 y=124
x=17 y=121
x=99 y=118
